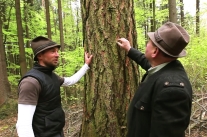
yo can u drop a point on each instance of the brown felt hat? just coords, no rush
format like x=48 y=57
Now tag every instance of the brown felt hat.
x=171 y=38
x=40 y=44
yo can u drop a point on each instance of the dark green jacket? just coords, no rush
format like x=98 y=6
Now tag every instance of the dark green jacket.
x=161 y=106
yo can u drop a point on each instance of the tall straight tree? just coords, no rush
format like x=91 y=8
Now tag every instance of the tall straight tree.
x=152 y=20
x=7 y=19
x=172 y=11
x=4 y=83
x=182 y=18
x=22 y=57
x=47 y=11
x=112 y=79
x=60 y=18
x=197 y=17
x=27 y=19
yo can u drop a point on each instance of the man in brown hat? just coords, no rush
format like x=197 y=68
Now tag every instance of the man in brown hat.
x=161 y=106
x=40 y=113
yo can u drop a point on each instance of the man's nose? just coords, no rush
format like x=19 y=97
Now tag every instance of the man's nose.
x=57 y=53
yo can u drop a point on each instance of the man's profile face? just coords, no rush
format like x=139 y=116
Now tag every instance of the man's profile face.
x=49 y=57
x=149 y=50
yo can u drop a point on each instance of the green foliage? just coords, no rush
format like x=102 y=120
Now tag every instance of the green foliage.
x=37 y=24
x=195 y=61
x=73 y=62
x=9 y=108
x=141 y=39
x=161 y=15
x=14 y=79
x=72 y=98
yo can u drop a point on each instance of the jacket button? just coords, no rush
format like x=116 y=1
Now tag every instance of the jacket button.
x=141 y=108
x=182 y=84
x=166 y=83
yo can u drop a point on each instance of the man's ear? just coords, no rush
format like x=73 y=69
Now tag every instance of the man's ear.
x=155 y=52
x=39 y=55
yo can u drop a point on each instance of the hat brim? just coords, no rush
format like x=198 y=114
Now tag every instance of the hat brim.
x=181 y=54
x=48 y=47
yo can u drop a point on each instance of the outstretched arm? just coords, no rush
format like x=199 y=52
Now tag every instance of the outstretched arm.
x=78 y=75
x=134 y=54
x=139 y=58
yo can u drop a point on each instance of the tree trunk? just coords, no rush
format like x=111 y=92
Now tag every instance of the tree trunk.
x=4 y=83
x=60 y=25
x=182 y=18
x=61 y=29
x=7 y=19
x=22 y=57
x=197 y=17
x=27 y=18
x=112 y=78
x=172 y=11
x=152 y=20
x=47 y=9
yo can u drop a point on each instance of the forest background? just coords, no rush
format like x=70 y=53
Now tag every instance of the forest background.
x=64 y=21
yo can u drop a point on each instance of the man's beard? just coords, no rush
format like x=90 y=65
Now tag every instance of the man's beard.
x=50 y=65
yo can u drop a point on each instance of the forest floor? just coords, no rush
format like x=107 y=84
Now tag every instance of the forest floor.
x=72 y=127
x=73 y=123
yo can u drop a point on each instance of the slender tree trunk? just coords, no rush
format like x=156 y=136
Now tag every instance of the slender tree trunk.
x=146 y=28
x=47 y=9
x=54 y=20
x=77 y=40
x=22 y=58
x=182 y=17
x=4 y=83
x=61 y=38
x=197 y=17
x=152 y=7
x=172 y=11
x=112 y=78
x=27 y=18
x=6 y=19
x=61 y=26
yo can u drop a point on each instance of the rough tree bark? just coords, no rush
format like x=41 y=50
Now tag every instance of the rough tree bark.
x=112 y=78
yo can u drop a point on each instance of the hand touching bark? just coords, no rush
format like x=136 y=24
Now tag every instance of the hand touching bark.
x=88 y=58
x=124 y=43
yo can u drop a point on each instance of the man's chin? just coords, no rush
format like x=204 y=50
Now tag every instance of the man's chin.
x=53 y=66
x=56 y=65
